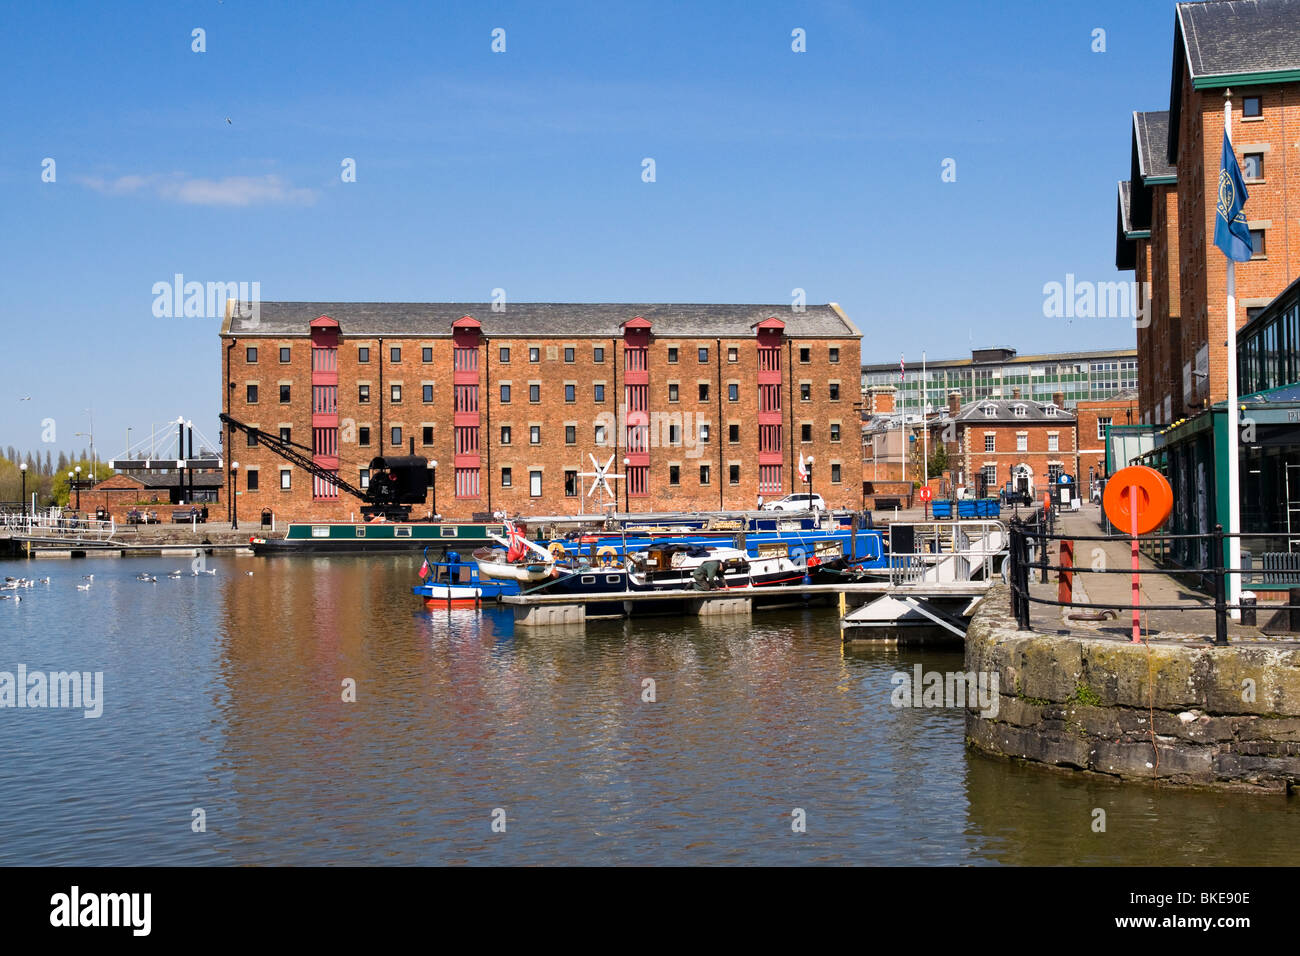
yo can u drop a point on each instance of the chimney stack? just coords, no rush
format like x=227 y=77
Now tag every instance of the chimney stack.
x=880 y=399
x=954 y=402
x=1058 y=399
x=1015 y=391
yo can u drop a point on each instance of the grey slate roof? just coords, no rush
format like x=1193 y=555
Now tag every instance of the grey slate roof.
x=1240 y=36
x=1125 y=248
x=1034 y=412
x=434 y=319
x=1151 y=137
x=1125 y=197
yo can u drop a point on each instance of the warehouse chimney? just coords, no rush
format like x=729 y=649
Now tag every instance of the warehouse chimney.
x=954 y=402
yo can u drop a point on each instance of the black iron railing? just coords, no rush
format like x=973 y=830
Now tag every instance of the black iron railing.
x=1037 y=534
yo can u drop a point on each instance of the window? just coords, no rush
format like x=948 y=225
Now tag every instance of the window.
x=363 y=355
x=599 y=392
x=507 y=479
x=534 y=355
x=835 y=473
x=704 y=432
x=805 y=432
x=571 y=434
x=395 y=354
x=704 y=356
x=600 y=435
x=1053 y=473
x=834 y=356
x=704 y=391
x=250 y=479
x=570 y=393
x=284 y=356
x=395 y=393
x=397 y=436
x=835 y=391
x=1252 y=166
x=674 y=434
x=534 y=393
x=733 y=434
x=704 y=474
x=733 y=355
x=363 y=480
x=672 y=356
x=733 y=474
x=426 y=394
x=568 y=355
x=286 y=435
x=503 y=355
x=363 y=394
x=805 y=355
x=284 y=394
x=505 y=394
x=598 y=355
x=535 y=484
x=1101 y=428
x=990 y=442
x=570 y=484
x=426 y=355
x=672 y=391
x=733 y=392
x=363 y=436
x=1022 y=443
x=990 y=475
x=1050 y=411
x=989 y=410
x=1257 y=243
x=250 y=395
x=534 y=434
x=1252 y=106
x=505 y=434
x=250 y=355
x=805 y=391
x=835 y=431
x=426 y=435
x=674 y=474
x=1053 y=442
x=1018 y=411
x=286 y=479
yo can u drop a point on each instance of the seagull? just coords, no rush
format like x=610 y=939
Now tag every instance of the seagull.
x=87 y=577
x=228 y=121
x=209 y=570
x=249 y=573
x=45 y=580
x=83 y=587
x=26 y=399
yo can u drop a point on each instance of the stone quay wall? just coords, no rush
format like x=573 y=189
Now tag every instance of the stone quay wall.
x=1174 y=712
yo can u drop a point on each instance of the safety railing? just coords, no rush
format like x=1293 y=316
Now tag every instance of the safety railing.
x=57 y=526
x=1030 y=543
x=930 y=552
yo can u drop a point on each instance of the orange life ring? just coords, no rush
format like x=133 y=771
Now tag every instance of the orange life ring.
x=1142 y=488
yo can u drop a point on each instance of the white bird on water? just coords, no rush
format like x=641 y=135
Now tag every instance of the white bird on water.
x=83 y=587
x=87 y=577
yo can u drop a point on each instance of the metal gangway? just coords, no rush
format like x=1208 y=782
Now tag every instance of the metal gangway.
x=932 y=567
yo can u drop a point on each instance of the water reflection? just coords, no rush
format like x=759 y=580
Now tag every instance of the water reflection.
x=226 y=693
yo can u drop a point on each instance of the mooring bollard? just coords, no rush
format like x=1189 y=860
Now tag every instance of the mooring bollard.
x=1248 y=603
x=1065 y=583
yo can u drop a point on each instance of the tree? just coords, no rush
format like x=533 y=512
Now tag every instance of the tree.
x=939 y=459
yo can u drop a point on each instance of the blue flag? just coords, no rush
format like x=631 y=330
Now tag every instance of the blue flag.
x=1231 y=234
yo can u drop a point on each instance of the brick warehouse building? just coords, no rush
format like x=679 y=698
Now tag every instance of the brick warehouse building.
x=710 y=405
x=1167 y=208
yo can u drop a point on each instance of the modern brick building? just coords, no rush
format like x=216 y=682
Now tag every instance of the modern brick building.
x=702 y=407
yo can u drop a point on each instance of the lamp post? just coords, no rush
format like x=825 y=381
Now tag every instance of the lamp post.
x=627 y=507
x=433 y=483
x=234 y=496
x=77 y=482
x=23 y=468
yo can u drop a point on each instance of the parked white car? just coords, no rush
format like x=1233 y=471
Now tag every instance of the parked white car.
x=802 y=502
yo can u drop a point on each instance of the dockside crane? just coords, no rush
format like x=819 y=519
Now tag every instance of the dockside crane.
x=396 y=482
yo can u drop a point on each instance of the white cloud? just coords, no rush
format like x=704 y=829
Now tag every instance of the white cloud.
x=228 y=191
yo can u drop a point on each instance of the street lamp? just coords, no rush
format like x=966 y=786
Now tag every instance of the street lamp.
x=23 y=468
x=234 y=496
x=433 y=483
x=78 y=484
x=627 y=507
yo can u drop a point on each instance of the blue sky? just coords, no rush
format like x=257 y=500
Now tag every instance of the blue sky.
x=522 y=170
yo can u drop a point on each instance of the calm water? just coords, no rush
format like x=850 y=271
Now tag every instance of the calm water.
x=224 y=693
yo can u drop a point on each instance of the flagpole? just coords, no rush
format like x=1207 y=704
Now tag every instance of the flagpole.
x=902 y=419
x=925 y=427
x=1234 y=450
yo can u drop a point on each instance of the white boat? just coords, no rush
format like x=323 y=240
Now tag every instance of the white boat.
x=518 y=559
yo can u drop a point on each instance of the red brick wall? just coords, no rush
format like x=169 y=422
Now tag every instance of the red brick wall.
x=1091 y=449
x=552 y=456
x=1005 y=455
